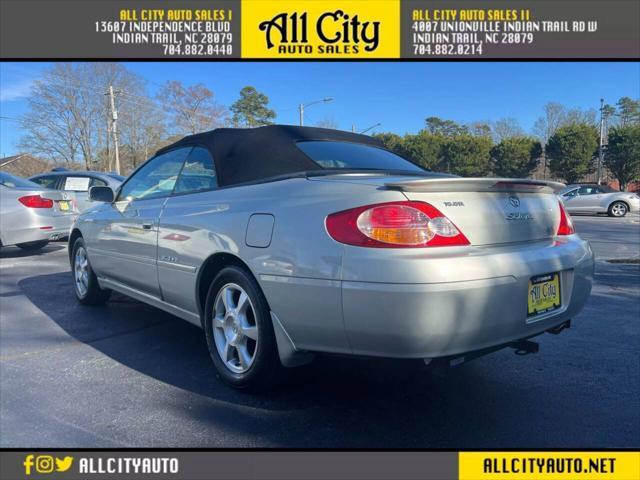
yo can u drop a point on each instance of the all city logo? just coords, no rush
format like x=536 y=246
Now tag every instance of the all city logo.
x=338 y=31
x=46 y=464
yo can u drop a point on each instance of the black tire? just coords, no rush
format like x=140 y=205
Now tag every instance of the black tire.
x=33 y=246
x=94 y=295
x=266 y=371
x=618 y=209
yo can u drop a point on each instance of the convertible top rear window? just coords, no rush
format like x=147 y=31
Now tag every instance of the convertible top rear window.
x=354 y=156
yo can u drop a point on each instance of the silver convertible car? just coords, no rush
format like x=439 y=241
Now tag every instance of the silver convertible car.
x=283 y=242
x=593 y=198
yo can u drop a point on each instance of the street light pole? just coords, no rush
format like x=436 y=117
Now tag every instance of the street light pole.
x=302 y=106
x=370 y=128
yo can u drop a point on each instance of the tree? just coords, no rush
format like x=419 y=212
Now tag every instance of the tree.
x=577 y=115
x=447 y=128
x=69 y=114
x=628 y=111
x=142 y=131
x=251 y=109
x=424 y=148
x=506 y=128
x=141 y=121
x=466 y=155
x=623 y=154
x=571 y=150
x=608 y=110
x=191 y=109
x=480 y=129
x=328 y=122
x=516 y=157
x=552 y=120
x=58 y=115
x=391 y=141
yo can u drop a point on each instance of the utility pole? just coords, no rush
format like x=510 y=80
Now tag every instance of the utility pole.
x=600 y=146
x=114 y=127
x=301 y=111
x=107 y=138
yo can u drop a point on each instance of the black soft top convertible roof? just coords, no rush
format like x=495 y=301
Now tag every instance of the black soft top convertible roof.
x=254 y=154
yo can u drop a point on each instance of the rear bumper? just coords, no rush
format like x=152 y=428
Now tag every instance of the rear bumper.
x=443 y=318
x=414 y=303
x=41 y=228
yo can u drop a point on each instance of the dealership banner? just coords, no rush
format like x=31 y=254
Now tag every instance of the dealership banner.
x=322 y=29
x=297 y=465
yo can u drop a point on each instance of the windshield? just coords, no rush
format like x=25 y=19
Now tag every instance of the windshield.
x=354 y=156
x=11 y=181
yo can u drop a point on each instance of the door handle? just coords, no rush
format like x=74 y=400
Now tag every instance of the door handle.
x=147 y=225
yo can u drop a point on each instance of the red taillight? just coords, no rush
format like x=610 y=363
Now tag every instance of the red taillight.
x=394 y=225
x=566 y=225
x=36 y=201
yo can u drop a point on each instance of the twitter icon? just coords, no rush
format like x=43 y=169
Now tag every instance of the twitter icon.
x=62 y=465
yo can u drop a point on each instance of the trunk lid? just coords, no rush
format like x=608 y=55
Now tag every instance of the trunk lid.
x=487 y=211
x=64 y=202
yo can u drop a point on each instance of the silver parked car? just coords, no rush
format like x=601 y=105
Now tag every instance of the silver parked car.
x=31 y=216
x=78 y=182
x=594 y=198
x=282 y=242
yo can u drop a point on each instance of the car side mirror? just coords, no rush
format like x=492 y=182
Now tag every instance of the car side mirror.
x=101 y=194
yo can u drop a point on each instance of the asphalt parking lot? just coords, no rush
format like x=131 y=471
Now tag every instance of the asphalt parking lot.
x=129 y=375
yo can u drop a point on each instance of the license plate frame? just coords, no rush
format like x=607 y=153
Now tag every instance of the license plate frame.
x=540 y=299
x=64 y=206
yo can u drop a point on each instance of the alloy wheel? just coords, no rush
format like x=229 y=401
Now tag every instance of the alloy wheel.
x=618 y=209
x=81 y=271
x=235 y=330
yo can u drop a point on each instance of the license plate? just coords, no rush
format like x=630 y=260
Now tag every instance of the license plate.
x=63 y=205
x=544 y=294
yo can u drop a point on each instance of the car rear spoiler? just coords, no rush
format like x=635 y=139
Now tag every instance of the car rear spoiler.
x=476 y=185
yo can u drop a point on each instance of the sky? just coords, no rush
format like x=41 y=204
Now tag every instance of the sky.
x=399 y=95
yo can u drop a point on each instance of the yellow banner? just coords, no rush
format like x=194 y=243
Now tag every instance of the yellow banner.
x=549 y=465
x=321 y=29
